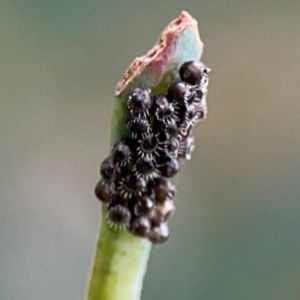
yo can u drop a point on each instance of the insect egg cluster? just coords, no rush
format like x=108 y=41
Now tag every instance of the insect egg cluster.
x=136 y=177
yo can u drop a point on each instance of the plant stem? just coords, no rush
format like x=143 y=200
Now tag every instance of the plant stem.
x=120 y=264
x=121 y=259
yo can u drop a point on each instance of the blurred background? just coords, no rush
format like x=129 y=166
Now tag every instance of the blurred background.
x=235 y=235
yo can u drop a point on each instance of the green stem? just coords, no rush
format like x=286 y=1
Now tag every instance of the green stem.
x=120 y=265
x=121 y=259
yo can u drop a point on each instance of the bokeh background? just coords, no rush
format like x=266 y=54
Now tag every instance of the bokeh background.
x=236 y=234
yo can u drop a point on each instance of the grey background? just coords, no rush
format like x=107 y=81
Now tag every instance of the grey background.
x=235 y=235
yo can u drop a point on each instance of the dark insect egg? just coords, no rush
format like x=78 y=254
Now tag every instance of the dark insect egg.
x=149 y=143
x=195 y=112
x=161 y=133
x=105 y=191
x=108 y=169
x=148 y=147
x=162 y=137
x=121 y=153
x=198 y=94
x=171 y=129
x=164 y=110
x=119 y=215
x=163 y=189
x=168 y=209
x=156 y=216
x=159 y=234
x=137 y=124
x=186 y=148
x=191 y=113
x=162 y=212
x=145 y=168
x=170 y=168
x=139 y=101
x=178 y=92
x=192 y=72
x=140 y=226
x=160 y=158
x=143 y=205
x=172 y=147
x=131 y=185
x=158 y=126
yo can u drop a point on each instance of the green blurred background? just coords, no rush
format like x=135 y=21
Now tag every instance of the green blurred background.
x=235 y=235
